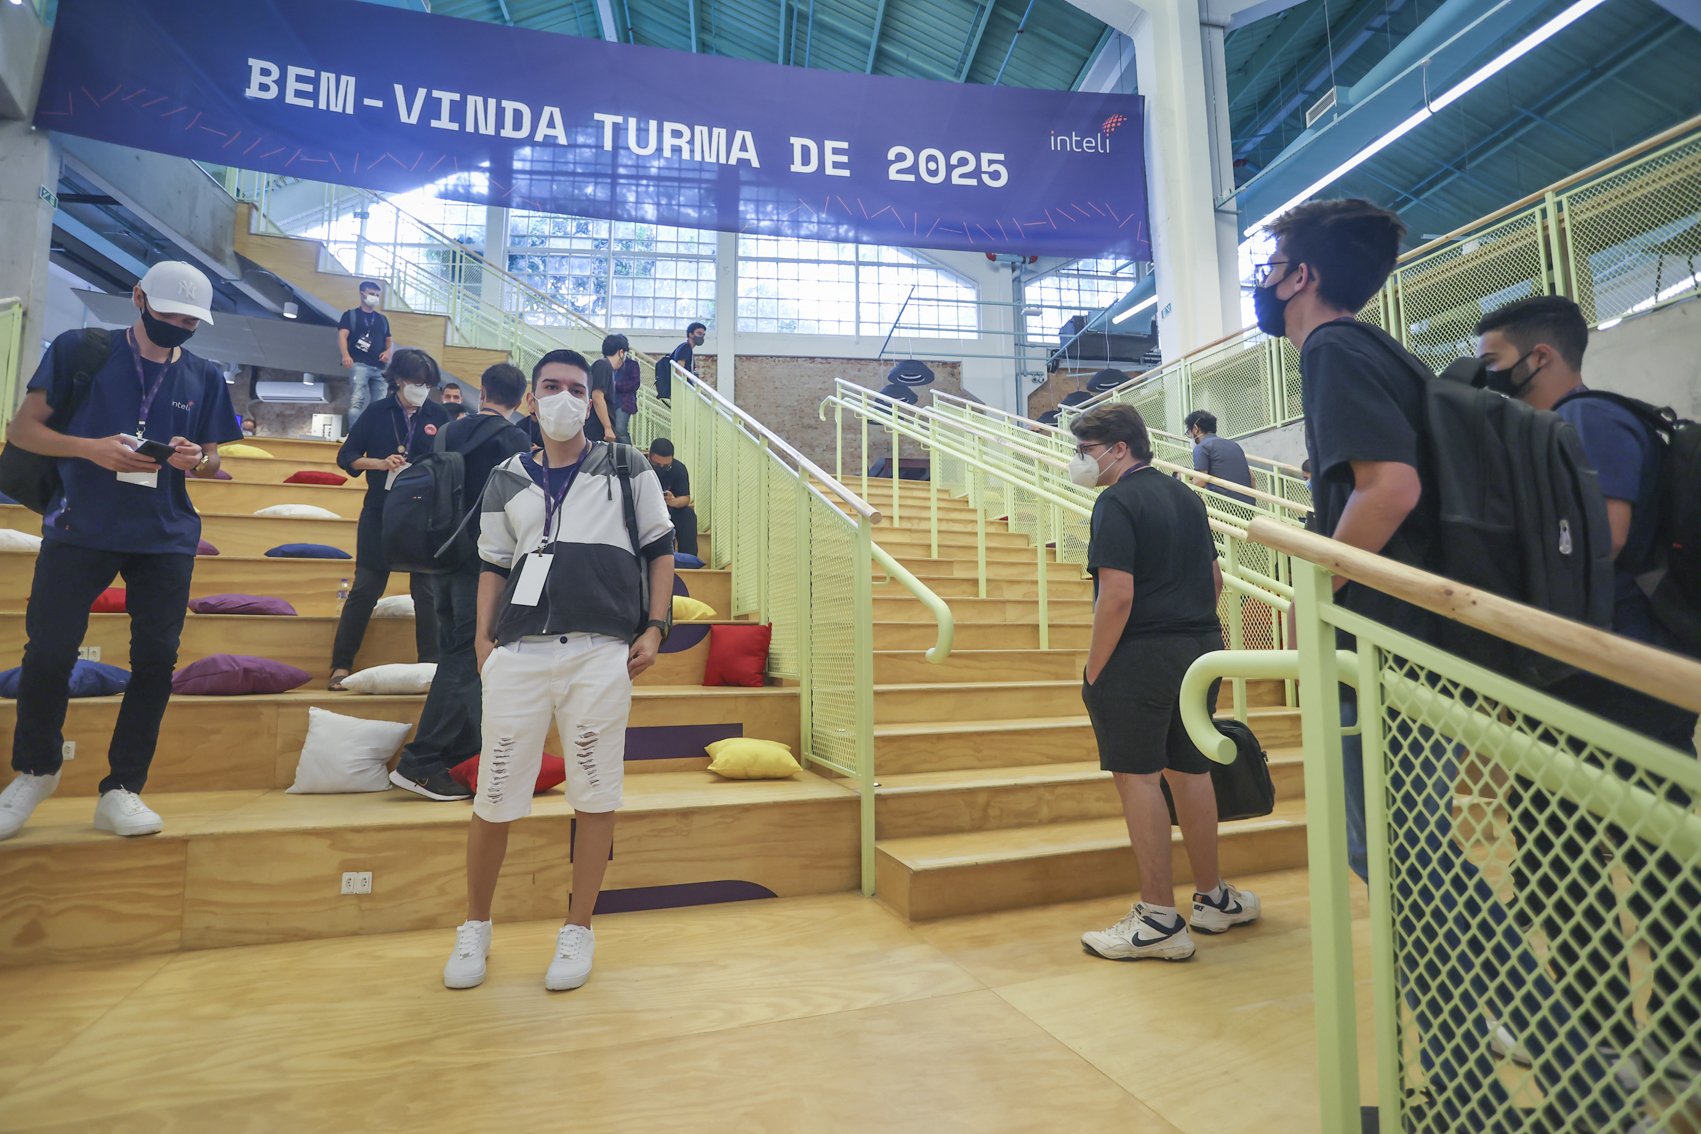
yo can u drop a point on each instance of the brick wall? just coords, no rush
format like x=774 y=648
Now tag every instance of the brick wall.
x=785 y=394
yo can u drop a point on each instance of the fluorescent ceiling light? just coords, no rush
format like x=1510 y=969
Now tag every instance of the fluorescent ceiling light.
x=1135 y=310
x=1475 y=79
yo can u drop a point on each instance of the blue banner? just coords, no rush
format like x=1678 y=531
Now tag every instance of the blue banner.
x=392 y=100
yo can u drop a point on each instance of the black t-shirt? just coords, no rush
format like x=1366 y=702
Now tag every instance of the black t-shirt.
x=498 y=444
x=370 y=326
x=682 y=354
x=386 y=428
x=674 y=478
x=1154 y=527
x=1363 y=403
x=602 y=378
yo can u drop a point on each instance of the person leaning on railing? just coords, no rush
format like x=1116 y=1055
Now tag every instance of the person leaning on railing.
x=1366 y=436
x=1533 y=351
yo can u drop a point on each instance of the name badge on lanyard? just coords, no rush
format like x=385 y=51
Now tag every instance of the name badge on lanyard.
x=534 y=569
x=145 y=479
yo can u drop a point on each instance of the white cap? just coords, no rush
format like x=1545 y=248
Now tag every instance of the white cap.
x=176 y=288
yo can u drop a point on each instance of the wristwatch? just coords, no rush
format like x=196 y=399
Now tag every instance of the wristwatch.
x=202 y=463
x=659 y=624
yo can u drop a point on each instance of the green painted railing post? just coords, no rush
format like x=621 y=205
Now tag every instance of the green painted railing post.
x=838 y=442
x=978 y=479
x=863 y=418
x=764 y=553
x=805 y=635
x=1326 y=855
x=896 y=441
x=863 y=592
x=1236 y=622
x=1043 y=583
x=1384 y=986
x=933 y=484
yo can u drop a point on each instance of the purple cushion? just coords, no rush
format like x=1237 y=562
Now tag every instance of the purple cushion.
x=205 y=548
x=229 y=674
x=222 y=475
x=240 y=604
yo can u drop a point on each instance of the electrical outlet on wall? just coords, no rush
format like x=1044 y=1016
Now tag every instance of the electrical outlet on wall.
x=357 y=882
x=88 y=653
x=68 y=750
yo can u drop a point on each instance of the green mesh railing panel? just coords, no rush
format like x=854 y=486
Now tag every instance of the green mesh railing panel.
x=1635 y=234
x=1232 y=381
x=1544 y=880
x=786 y=599
x=1443 y=294
x=832 y=631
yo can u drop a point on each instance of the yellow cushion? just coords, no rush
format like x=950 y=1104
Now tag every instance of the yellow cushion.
x=744 y=758
x=688 y=609
x=240 y=449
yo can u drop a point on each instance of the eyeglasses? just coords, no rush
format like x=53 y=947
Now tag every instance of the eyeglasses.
x=1262 y=273
x=1081 y=450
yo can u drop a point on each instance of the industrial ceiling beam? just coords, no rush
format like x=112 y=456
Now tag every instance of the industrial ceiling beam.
x=1276 y=52
x=983 y=16
x=874 y=40
x=691 y=8
x=605 y=18
x=507 y=17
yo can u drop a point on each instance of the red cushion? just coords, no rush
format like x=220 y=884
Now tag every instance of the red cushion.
x=552 y=775
x=111 y=601
x=310 y=476
x=738 y=655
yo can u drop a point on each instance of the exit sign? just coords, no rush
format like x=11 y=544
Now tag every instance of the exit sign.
x=49 y=196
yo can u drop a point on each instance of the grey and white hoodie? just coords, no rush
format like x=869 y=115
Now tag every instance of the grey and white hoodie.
x=594 y=583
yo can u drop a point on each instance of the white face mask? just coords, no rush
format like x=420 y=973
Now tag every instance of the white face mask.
x=370 y=299
x=1085 y=471
x=414 y=395
x=562 y=416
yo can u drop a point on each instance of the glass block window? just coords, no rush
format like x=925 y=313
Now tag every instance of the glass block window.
x=625 y=275
x=1082 y=288
x=818 y=287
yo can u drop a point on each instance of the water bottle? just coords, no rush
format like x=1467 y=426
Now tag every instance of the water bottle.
x=342 y=596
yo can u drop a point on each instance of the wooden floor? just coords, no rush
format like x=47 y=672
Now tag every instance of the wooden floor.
x=803 y=1014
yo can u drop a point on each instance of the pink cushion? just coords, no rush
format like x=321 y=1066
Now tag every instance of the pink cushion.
x=205 y=548
x=231 y=674
x=240 y=604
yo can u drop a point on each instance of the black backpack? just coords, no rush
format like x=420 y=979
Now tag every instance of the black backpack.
x=426 y=512
x=1520 y=512
x=1672 y=577
x=664 y=377
x=31 y=478
x=1244 y=788
x=623 y=469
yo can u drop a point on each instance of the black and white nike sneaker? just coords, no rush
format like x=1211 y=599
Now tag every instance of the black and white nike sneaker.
x=1233 y=907
x=1140 y=935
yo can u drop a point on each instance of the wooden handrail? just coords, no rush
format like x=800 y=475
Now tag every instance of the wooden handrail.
x=1659 y=673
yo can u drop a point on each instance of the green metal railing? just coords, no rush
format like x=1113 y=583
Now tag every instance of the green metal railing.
x=429 y=272
x=1020 y=480
x=1619 y=238
x=802 y=553
x=11 y=357
x=1534 y=871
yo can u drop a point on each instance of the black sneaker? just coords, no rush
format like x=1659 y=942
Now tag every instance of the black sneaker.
x=438 y=785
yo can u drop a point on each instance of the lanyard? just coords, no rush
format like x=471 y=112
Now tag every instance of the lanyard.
x=552 y=501
x=404 y=445
x=148 y=393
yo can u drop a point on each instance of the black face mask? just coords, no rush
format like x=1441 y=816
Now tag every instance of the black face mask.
x=1503 y=382
x=1270 y=309
x=161 y=333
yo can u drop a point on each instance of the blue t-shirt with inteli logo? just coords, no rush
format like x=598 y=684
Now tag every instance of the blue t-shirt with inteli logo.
x=99 y=511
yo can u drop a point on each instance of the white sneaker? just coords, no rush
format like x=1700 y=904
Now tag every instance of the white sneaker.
x=575 y=945
x=1138 y=936
x=1505 y=1045
x=466 y=964
x=123 y=813
x=1235 y=907
x=19 y=800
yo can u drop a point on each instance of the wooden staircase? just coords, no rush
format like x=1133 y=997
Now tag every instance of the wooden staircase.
x=308 y=266
x=989 y=790
x=242 y=862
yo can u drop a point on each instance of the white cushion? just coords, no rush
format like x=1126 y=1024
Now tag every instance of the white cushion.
x=18 y=541
x=395 y=678
x=396 y=606
x=298 y=512
x=346 y=754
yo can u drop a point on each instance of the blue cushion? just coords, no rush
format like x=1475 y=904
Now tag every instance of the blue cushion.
x=88 y=679
x=308 y=551
x=683 y=559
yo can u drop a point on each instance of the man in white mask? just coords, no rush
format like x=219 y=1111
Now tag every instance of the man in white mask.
x=577 y=552
x=1155 y=588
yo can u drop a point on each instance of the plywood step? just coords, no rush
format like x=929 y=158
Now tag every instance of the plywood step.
x=979 y=636
x=245 y=497
x=231 y=534
x=981 y=799
x=254 y=742
x=273 y=470
x=959 y=543
x=905 y=607
x=1021 y=568
x=295 y=449
x=946 y=875
x=974 y=701
x=893 y=667
x=951 y=587
x=250 y=867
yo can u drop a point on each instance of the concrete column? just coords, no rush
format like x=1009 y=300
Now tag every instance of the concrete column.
x=1178 y=58
x=496 y=251
x=724 y=334
x=29 y=162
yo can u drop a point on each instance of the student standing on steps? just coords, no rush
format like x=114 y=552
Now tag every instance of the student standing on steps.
x=572 y=606
x=381 y=444
x=1155 y=588
x=363 y=338
x=120 y=513
x=448 y=725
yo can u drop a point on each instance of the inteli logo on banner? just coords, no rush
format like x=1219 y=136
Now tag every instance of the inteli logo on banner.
x=1098 y=143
